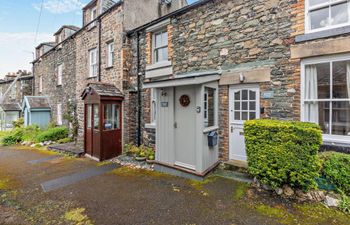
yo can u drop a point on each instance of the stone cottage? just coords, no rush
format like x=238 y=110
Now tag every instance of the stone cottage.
x=89 y=70
x=207 y=68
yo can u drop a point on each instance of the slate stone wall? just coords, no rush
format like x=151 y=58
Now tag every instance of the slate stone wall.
x=47 y=67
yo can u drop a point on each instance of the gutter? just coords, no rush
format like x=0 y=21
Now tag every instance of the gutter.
x=99 y=49
x=139 y=108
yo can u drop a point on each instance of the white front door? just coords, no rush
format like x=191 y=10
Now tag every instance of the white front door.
x=244 y=105
x=185 y=118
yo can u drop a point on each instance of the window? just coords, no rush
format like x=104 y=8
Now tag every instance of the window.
x=59 y=74
x=96 y=117
x=40 y=84
x=160 y=46
x=110 y=54
x=111 y=117
x=324 y=14
x=59 y=114
x=88 y=116
x=209 y=107
x=93 y=14
x=245 y=104
x=153 y=106
x=326 y=96
x=93 y=62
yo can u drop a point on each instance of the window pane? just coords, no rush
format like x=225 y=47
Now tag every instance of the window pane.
x=96 y=117
x=245 y=95
x=237 y=95
x=319 y=18
x=316 y=2
x=237 y=116
x=237 y=105
x=88 y=116
x=111 y=117
x=244 y=105
x=158 y=41
x=244 y=116
x=165 y=39
x=341 y=118
x=209 y=118
x=341 y=79
x=252 y=95
x=252 y=115
x=339 y=14
x=252 y=106
x=319 y=73
x=164 y=54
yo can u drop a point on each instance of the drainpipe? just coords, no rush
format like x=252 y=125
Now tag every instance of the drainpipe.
x=139 y=108
x=99 y=49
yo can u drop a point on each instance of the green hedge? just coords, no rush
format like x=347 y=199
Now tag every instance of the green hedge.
x=283 y=152
x=336 y=169
x=53 y=134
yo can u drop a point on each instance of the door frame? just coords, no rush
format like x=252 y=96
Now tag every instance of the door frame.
x=232 y=89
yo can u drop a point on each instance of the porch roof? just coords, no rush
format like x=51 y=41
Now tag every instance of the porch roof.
x=102 y=89
x=185 y=79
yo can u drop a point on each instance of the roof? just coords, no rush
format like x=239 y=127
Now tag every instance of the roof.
x=180 y=11
x=93 y=2
x=102 y=89
x=36 y=102
x=71 y=27
x=52 y=44
x=11 y=107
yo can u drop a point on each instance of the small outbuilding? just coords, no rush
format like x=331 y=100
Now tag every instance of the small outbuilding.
x=36 y=110
x=8 y=114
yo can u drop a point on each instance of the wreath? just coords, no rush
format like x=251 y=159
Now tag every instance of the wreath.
x=185 y=100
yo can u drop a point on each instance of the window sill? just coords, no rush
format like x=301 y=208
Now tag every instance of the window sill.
x=150 y=126
x=59 y=85
x=336 y=140
x=331 y=32
x=109 y=67
x=210 y=129
x=90 y=78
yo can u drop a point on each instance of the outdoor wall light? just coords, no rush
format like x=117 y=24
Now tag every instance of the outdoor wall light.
x=241 y=77
x=198 y=109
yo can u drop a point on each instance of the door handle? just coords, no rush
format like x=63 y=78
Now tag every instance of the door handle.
x=175 y=125
x=231 y=129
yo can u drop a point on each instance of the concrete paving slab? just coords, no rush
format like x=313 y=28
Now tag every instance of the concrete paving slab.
x=74 y=178
x=36 y=161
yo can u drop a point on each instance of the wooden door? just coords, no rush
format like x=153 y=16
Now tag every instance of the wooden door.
x=111 y=129
x=88 y=129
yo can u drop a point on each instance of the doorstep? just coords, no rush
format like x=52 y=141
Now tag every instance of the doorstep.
x=183 y=172
x=68 y=148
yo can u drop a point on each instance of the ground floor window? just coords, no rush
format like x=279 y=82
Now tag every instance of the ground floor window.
x=326 y=95
x=209 y=107
x=111 y=117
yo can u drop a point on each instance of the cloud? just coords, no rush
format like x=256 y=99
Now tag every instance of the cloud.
x=60 y=6
x=16 y=50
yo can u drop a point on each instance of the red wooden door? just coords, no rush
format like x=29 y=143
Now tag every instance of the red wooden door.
x=111 y=129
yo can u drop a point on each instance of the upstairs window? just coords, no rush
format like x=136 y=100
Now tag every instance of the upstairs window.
x=93 y=62
x=93 y=14
x=110 y=54
x=160 y=46
x=325 y=14
x=59 y=75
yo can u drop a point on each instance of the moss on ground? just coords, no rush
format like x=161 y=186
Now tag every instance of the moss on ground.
x=131 y=172
x=199 y=185
x=77 y=216
x=240 y=191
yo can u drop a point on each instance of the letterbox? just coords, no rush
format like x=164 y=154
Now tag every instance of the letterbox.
x=212 y=138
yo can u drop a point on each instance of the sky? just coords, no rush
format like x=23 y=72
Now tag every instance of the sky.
x=21 y=31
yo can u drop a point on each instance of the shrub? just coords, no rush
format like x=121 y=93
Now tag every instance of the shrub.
x=53 y=134
x=336 y=169
x=18 y=123
x=30 y=132
x=13 y=137
x=283 y=152
x=64 y=140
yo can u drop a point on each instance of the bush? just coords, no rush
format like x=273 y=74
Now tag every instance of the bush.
x=13 y=137
x=18 y=123
x=52 y=134
x=64 y=140
x=283 y=152
x=336 y=169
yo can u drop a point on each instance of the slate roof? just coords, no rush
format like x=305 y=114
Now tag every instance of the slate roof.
x=38 y=102
x=71 y=27
x=103 y=89
x=11 y=107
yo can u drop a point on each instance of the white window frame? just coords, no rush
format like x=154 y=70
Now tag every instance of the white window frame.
x=40 y=84
x=317 y=60
x=153 y=109
x=216 y=107
x=59 y=114
x=93 y=64
x=110 y=54
x=93 y=14
x=154 y=48
x=60 y=75
x=320 y=6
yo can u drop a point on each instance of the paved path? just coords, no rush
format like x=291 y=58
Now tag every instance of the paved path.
x=123 y=197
